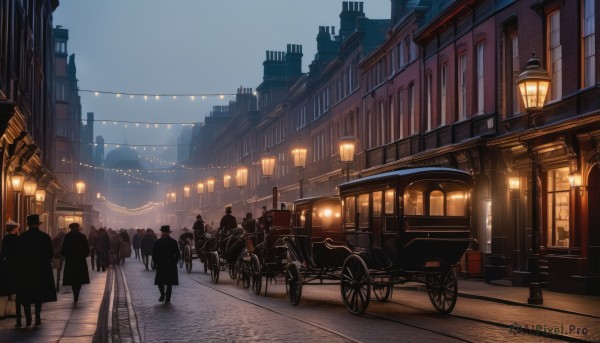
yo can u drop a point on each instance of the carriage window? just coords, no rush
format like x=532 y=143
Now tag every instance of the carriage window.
x=350 y=211
x=389 y=201
x=377 y=204
x=436 y=203
x=363 y=210
x=325 y=216
x=303 y=218
x=456 y=204
x=413 y=202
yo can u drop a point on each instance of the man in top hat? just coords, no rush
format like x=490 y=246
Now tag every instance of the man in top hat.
x=228 y=221
x=35 y=280
x=165 y=255
x=75 y=249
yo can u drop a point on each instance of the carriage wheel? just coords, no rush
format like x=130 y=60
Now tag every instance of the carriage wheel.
x=293 y=283
x=187 y=257
x=383 y=292
x=443 y=290
x=255 y=274
x=233 y=270
x=245 y=271
x=215 y=267
x=355 y=285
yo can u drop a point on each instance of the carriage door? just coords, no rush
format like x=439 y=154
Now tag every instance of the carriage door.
x=377 y=219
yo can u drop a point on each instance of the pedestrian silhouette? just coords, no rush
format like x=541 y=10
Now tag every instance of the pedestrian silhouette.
x=75 y=249
x=8 y=265
x=165 y=254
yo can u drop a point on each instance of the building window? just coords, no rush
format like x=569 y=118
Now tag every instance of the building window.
x=480 y=80
x=382 y=123
x=391 y=122
x=558 y=207
x=555 y=52
x=400 y=115
x=443 y=93
x=411 y=108
x=407 y=43
x=392 y=62
x=589 y=43
x=429 y=97
x=400 y=50
x=462 y=87
x=516 y=99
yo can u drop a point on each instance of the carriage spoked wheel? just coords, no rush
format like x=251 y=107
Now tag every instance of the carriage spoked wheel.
x=383 y=291
x=293 y=283
x=233 y=270
x=215 y=267
x=187 y=258
x=355 y=285
x=442 y=289
x=255 y=274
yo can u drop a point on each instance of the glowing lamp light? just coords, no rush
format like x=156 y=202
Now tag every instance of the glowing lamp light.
x=200 y=188
x=241 y=176
x=29 y=188
x=533 y=84
x=514 y=183
x=347 y=146
x=267 y=162
x=210 y=184
x=186 y=191
x=575 y=180
x=327 y=212
x=80 y=187
x=226 y=180
x=299 y=157
x=40 y=195
x=17 y=182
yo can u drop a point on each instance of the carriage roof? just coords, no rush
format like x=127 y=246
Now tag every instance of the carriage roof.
x=405 y=176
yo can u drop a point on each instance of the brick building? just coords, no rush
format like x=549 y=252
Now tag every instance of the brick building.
x=435 y=86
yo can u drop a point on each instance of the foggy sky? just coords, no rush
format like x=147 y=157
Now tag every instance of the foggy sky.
x=182 y=46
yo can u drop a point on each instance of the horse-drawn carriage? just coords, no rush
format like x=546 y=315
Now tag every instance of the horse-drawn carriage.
x=410 y=225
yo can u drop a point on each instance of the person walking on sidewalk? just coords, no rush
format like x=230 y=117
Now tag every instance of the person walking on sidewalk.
x=102 y=246
x=75 y=249
x=92 y=239
x=146 y=245
x=35 y=280
x=8 y=265
x=135 y=241
x=125 y=245
x=165 y=254
x=58 y=260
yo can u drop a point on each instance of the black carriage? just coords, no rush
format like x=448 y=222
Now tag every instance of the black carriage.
x=222 y=253
x=317 y=246
x=201 y=248
x=405 y=225
x=267 y=254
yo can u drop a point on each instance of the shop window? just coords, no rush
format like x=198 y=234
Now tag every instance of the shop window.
x=558 y=207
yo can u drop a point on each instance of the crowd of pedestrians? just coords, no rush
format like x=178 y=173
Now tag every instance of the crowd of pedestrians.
x=28 y=257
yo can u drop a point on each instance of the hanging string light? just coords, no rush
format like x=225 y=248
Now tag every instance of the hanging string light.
x=173 y=96
x=147 y=207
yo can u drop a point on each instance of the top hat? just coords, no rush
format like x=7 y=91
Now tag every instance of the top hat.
x=74 y=226
x=198 y=217
x=165 y=228
x=248 y=215
x=228 y=209
x=33 y=219
x=11 y=224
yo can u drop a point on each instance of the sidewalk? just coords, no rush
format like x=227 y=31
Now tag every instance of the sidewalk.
x=63 y=321
x=562 y=302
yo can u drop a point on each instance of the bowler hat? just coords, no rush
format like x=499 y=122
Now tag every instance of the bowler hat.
x=33 y=219
x=11 y=224
x=74 y=226
x=165 y=228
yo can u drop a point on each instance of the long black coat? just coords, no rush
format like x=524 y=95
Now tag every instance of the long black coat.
x=8 y=258
x=147 y=243
x=35 y=279
x=75 y=249
x=165 y=255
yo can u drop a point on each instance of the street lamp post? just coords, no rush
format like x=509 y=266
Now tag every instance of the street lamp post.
x=347 y=146
x=533 y=84
x=241 y=180
x=299 y=158
x=267 y=162
x=17 y=181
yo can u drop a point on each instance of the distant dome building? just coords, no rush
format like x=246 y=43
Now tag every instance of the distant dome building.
x=123 y=158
